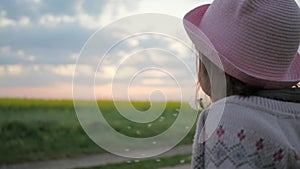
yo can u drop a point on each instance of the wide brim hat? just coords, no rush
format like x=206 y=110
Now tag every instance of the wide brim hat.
x=253 y=41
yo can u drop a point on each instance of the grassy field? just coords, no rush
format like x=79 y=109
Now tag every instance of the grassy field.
x=33 y=130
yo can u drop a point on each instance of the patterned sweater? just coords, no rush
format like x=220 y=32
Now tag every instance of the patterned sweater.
x=248 y=133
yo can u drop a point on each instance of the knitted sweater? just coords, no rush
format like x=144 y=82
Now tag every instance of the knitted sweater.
x=252 y=133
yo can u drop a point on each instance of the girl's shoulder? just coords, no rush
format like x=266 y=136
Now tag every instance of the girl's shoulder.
x=275 y=120
x=232 y=146
x=253 y=109
x=242 y=131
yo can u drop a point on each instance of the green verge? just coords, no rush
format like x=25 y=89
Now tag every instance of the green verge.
x=148 y=163
x=32 y=130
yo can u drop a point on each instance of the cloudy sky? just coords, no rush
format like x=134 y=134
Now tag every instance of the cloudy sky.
x=42 y=39
x=41 y=42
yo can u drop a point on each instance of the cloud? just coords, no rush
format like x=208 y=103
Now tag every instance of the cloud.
x=21 y=54
x=8 y=53
x=17 y=75
x=88 y=21
x=47 y=45
x=64 y=70
x=61 y=70
x=155 y=74
x=34 y=8
x=153 y=82
x=180 y=49
x=74 y=56
x=84 y=70
x=108 y=71
x=133 y=42
x=7 y=22
x=14 y=69
x=84 y=20
x=87 y=14
x=25 y=21
x=111 y=72
x=49 y=20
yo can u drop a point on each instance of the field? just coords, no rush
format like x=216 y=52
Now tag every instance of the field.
x=32 y=130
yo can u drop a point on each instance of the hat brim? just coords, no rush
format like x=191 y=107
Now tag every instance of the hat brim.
x=202 y=43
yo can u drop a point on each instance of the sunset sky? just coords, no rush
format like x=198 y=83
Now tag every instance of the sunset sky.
x=41 y=40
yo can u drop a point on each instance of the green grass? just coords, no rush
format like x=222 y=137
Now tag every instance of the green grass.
x=32 y=130
x=148 y=163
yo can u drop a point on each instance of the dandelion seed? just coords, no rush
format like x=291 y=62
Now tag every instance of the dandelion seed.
x=128 y=161
x=182 y=161
x=157 y=160
x=162 y=118
x=150 y=125
x=138 y=132
x=136 y=161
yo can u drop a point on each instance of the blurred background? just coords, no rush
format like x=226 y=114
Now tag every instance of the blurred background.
x=41 y=39
x=39 y=45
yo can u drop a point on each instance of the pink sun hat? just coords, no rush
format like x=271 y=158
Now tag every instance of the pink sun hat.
x=255 y=41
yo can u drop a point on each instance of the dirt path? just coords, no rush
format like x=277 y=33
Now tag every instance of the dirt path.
x=87 y=161
x=186 y=166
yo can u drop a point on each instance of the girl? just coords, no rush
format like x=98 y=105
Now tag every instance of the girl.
x=253 y=44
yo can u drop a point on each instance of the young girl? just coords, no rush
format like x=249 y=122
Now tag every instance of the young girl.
x=254 y=44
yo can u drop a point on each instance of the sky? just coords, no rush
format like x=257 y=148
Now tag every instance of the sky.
x=42 y=40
